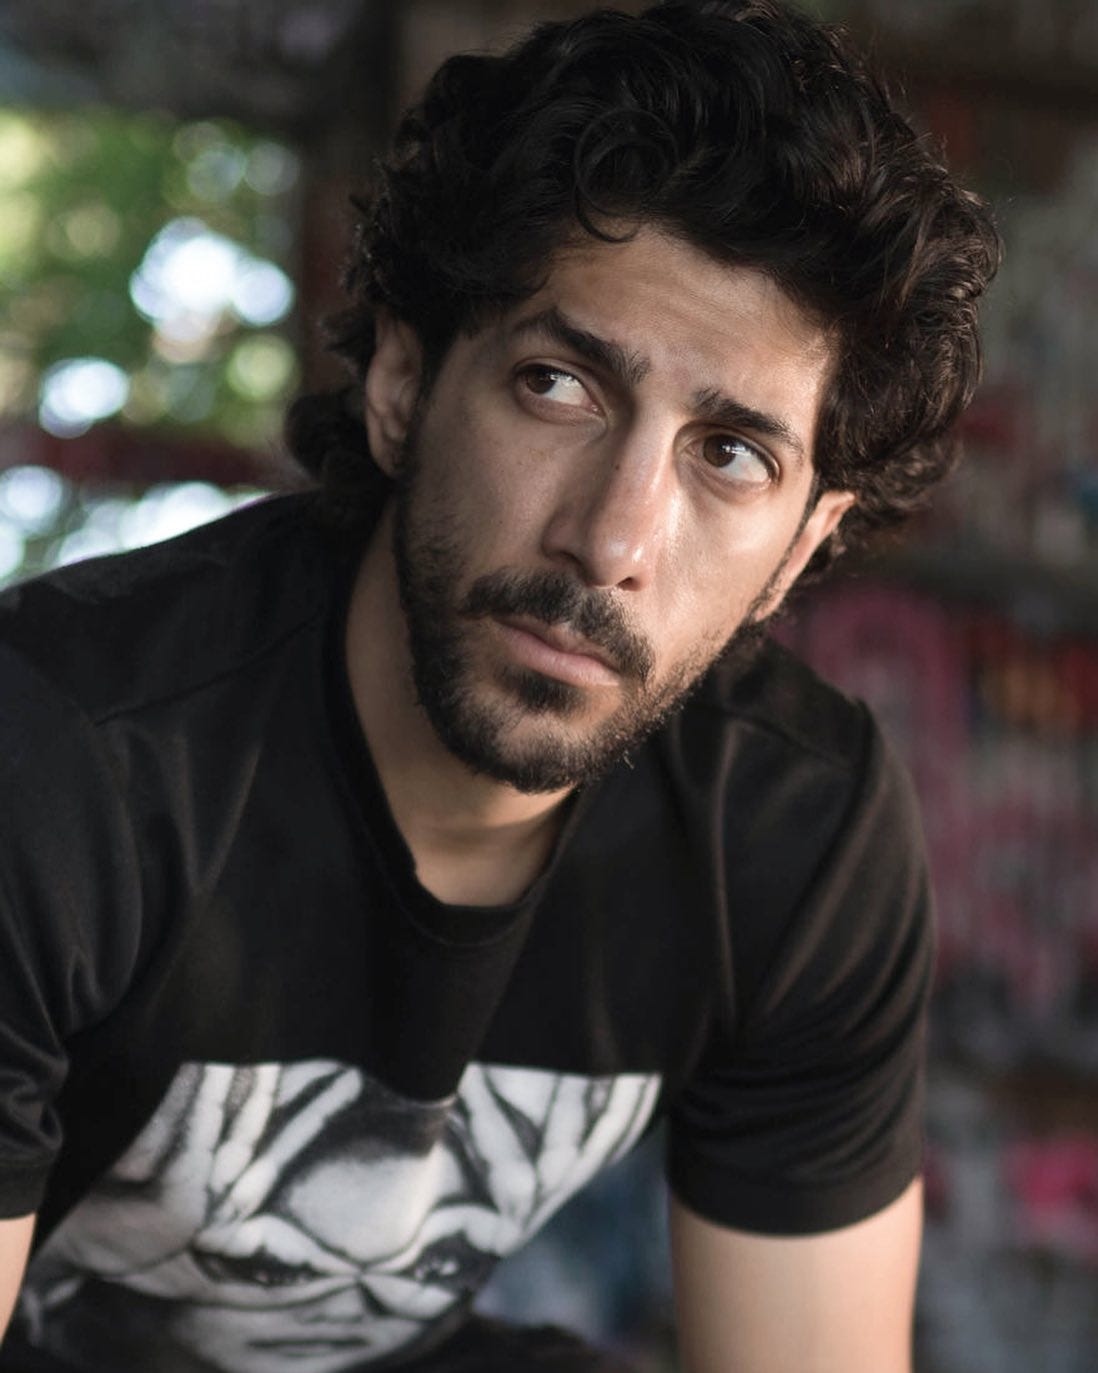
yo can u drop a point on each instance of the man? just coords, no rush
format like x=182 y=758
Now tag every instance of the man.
x=379 y=865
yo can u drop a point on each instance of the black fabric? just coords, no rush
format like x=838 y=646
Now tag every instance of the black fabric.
x=200 y=881
x=490 y=1346
x=481 y=1345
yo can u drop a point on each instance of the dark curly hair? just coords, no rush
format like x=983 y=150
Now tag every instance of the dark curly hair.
x=741 y=126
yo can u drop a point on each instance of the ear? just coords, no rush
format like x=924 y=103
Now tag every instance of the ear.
x=392 y=389
x=829 y=509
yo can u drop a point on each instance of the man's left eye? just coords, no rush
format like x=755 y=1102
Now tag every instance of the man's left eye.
x=737 y=460
x=553 y=383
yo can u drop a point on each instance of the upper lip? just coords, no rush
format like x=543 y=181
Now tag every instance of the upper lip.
x=560 y=637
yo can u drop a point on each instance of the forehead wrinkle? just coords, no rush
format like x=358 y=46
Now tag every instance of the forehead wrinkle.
x=714 y=407
x=625 y=365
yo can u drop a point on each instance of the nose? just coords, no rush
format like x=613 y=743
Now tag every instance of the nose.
x=350 y=1304
x=615 y=514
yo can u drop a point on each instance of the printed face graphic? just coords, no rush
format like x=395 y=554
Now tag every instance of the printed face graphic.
x=303 y=1216
x=600 y=489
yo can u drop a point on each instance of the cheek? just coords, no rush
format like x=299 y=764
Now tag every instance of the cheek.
x=491 y=478
x=721 y=563
x=705 y=594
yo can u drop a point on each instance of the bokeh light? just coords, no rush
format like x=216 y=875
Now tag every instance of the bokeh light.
x=272 y=169
x=262 y=293
x=191 y=276
x=74 y=394
x=167 y=510
x=31 y=498
x=46 y=521
x=12 y=550
x=261 y=367
x=23 y=150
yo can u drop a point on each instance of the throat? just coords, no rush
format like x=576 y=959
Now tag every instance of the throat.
x=470 y=866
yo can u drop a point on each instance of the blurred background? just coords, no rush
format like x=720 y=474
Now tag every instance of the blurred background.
x=173 y=214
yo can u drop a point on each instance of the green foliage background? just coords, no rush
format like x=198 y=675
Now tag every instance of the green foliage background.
x=82 y=195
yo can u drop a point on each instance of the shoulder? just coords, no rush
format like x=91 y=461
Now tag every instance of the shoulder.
x=101 y=666
x=780 y=752
x=772 y=695
x=810 y=816
x=113 y=632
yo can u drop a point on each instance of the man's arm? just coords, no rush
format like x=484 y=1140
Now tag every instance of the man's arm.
x=839 y=1302
x=15 y=1238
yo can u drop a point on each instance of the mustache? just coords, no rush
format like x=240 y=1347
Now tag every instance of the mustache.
x=554 y=598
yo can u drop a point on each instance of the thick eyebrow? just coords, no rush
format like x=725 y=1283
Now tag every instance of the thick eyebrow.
x=626 y=367
x=723 y=412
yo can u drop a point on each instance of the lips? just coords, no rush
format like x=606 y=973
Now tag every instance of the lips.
x=560 y=638
x=582 y=629
x=554 y=651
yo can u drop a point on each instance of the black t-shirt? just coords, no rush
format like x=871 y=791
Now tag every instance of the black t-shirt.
x=275 y=1103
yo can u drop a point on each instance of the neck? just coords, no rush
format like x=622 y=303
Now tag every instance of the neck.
x=475 y=841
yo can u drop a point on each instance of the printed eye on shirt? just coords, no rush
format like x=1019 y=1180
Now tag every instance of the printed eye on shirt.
x=303 y=1215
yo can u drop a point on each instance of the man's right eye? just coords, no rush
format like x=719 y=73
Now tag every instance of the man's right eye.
x=739 y=462
x=261 y=1269
x=556 y=385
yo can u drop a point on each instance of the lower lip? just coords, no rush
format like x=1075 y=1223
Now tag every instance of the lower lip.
x=578 y=669
x=313 y=1347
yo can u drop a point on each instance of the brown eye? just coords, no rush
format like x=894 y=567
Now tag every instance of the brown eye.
x=738 y=461
x=555 y=384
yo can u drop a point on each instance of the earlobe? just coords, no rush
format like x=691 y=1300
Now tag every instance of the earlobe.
x=392 y=389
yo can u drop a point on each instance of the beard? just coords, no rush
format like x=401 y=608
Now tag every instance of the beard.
x=478 y=725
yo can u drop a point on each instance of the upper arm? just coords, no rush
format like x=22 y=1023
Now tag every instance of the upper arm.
x=69 y=927
x=15 y=1239
x=837 y=1302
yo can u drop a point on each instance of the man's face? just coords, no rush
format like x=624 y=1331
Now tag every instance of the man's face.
x=601 y=488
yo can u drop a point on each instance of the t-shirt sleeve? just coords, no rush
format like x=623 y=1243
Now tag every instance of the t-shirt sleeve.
x=805 y=1112
x=68 y=927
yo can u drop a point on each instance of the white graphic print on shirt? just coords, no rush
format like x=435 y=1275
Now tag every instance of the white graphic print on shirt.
x=303 y=1215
